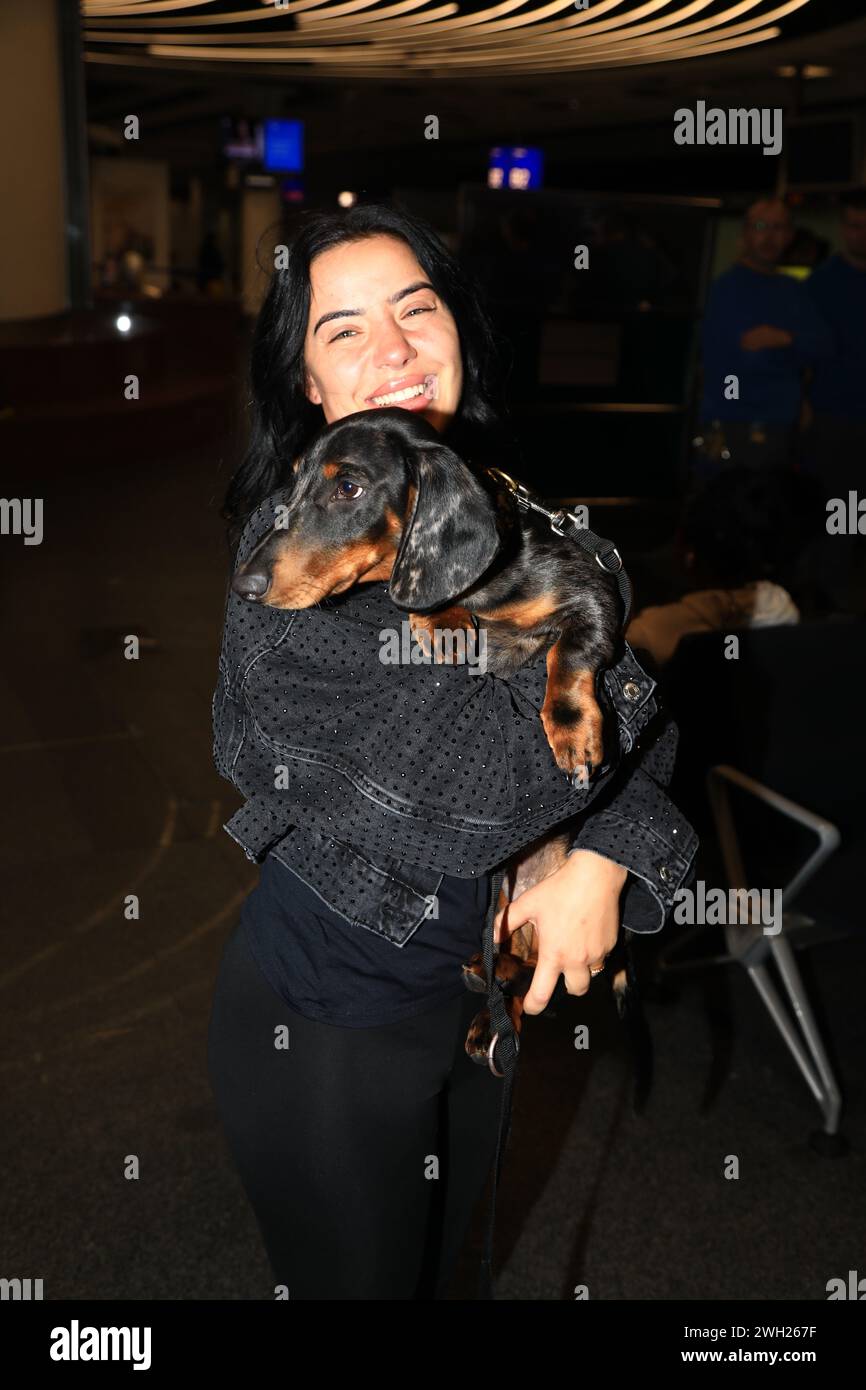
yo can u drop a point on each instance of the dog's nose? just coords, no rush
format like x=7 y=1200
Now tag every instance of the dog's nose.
x=250 y=584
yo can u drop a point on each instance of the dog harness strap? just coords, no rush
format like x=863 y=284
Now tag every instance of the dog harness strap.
x=608 y=558
x=605 y=553
x=502 y=1060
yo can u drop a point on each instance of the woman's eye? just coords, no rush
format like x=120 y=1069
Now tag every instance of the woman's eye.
x=337 y=336
x=422 y=309
x=347 y=489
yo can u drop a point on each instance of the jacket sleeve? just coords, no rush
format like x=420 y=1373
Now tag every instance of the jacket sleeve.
x=633 y=822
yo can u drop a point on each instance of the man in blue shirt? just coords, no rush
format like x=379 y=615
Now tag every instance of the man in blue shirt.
x=834 y=445
x=760 y=331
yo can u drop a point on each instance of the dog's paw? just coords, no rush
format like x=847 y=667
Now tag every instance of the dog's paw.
x=474 y=977
x=479 y=1037
x=437 y=634
x=577 y=749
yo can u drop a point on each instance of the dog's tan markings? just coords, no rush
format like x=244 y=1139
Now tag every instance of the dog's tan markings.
x=411 y=496
x=330 y=470
x=381 y=569
x=393 y=523
x=525 y=612
x=294 y=579
x=424 y=626
x=300 y=579
x=571 y=716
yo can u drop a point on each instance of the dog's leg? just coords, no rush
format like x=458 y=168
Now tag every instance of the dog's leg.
x=515 y=967
x=570 y=714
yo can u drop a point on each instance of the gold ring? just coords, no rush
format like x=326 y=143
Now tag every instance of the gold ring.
x=596 y=972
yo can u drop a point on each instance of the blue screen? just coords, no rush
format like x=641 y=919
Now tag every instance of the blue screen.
x=514 y=167
x=284 y=145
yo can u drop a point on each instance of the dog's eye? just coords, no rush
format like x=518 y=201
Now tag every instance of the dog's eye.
x=346 y=490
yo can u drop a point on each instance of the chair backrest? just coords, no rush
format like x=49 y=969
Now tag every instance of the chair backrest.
x=789 y=711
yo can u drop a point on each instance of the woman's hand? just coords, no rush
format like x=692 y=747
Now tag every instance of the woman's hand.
x=576 y=916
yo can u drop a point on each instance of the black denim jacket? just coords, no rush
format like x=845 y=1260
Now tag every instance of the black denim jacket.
x=371 y=780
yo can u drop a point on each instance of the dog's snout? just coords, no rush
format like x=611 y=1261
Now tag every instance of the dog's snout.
x=251 y=584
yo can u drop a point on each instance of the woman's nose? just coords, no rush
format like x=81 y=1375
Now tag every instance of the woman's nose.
x=393 y=348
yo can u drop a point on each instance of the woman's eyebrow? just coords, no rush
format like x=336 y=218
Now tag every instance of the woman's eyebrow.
x=357 y=313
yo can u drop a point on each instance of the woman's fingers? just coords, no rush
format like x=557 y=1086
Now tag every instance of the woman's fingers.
x=544 y=979
x=512 y=916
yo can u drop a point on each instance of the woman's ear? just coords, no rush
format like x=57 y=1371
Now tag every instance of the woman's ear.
x=311 y=390
x=451 y=536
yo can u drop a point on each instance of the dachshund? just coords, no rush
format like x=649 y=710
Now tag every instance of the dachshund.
x=378 y=495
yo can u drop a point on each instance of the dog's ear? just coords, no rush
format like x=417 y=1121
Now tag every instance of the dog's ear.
x=451 y=536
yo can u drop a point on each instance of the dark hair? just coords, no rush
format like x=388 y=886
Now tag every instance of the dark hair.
x=283 y=420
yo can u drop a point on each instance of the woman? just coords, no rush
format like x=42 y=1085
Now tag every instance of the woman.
x=364 y=1144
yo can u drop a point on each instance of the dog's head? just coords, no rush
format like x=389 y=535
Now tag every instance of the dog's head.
x=377 y=495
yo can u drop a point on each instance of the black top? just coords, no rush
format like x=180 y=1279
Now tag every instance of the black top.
x=328 y=969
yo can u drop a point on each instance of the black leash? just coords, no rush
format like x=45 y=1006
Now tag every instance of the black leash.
x=502 y=1060
x=505 y=1046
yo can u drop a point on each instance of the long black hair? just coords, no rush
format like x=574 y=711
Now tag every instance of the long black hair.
x=283 y=420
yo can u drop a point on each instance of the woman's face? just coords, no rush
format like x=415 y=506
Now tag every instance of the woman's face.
x=376 y=328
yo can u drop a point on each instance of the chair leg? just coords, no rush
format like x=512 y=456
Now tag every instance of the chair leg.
x=814 y=1065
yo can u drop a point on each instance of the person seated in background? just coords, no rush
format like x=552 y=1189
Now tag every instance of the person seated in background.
x=739 y=539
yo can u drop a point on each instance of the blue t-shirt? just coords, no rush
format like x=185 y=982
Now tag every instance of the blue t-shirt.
x=770 y=378
x=839 y=387
x=331 y=970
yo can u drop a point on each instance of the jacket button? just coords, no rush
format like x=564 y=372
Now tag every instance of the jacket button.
x=631 y=690
x=664 y=873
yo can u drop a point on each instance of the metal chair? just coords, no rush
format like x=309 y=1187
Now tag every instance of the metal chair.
x=753 y=947
x=759 y=708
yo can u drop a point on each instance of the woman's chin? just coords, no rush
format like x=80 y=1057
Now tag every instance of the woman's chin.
x=437 y=417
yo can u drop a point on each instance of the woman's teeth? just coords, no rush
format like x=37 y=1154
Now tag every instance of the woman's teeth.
x=394 y=397
x=428 y=387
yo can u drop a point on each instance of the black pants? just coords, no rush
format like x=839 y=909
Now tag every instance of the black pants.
x=336 y=1138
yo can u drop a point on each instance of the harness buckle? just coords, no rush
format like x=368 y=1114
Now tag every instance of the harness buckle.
x=617 y=567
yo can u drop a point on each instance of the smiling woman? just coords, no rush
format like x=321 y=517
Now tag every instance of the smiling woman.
x=333 y=1136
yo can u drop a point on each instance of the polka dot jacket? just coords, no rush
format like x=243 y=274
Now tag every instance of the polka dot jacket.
x=371 y=775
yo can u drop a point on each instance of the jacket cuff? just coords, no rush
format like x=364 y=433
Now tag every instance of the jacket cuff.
x=658 y=848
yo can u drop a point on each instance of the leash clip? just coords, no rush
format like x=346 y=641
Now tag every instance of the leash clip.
x=526 y=501
x=519 y=491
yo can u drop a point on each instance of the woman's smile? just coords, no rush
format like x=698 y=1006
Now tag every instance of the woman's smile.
x=412 y=392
